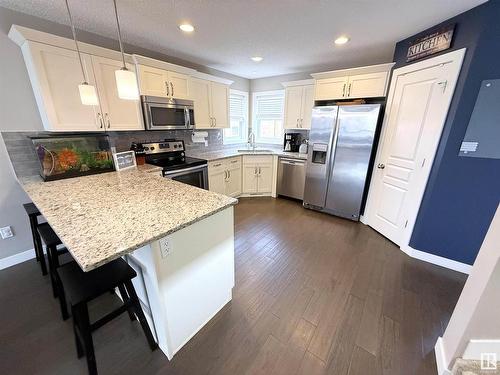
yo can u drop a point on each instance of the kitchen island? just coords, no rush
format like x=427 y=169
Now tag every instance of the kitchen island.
x=179 y=239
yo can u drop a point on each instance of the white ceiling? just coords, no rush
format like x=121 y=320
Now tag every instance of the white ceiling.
x=292 y=35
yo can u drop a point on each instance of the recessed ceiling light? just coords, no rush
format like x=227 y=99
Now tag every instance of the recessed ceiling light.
x=257 y=58
x=341 y=40
x=186 y=27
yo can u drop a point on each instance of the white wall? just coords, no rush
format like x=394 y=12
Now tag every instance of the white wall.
x=476 y=314
x=18 y=112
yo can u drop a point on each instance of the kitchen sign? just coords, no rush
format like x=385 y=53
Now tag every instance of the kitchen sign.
x=431 y=44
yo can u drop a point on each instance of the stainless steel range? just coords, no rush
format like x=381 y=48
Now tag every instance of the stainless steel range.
x=170 y=155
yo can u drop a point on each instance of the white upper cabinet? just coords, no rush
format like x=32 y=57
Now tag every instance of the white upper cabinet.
x=159 y=82
x=299 y=101
x=363 y=82
x=211 y=104
x=331 y=88
x=118 y=114
x=55 y=74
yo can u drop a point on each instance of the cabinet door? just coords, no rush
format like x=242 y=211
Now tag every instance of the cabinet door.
x=265 y=179
x=153 y=81
x=330 y=88
x=219 y=97
x=179 y=85
x=119 y=114
x=307 y=106
x=250 y=179
x=293 y=106
x=233 y=184
x=367 y=85
x=200 y=94
x=216 y=181
x=55 y=74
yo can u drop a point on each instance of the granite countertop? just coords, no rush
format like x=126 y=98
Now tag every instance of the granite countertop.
x=102 y=217
x=231 y=152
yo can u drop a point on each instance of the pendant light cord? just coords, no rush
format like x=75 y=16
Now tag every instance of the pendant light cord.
x=76 y=43
x=119 y=36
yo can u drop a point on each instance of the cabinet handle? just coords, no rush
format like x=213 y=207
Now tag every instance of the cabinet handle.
x=215 y=122
x=168 y=89
x=106 y=116
x=228 y=174
x=297 y=122
x=217 y=165
x=255 y=172
x=234 y=161
x=99 y=118
x=343 y=90
x=225 y=175
x=259 y=171
x=172 y=86
x=349 y=90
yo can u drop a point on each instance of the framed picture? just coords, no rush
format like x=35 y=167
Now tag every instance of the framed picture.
x=124 y=160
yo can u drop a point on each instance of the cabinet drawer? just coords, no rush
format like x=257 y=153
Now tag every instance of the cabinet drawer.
x=215 y=166
x=257 y=159
x=233 y=163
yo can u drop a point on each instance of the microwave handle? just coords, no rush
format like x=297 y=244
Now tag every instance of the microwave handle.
x=187 y=117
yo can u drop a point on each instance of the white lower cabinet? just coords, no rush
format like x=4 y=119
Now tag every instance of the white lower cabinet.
x=224 y=176
x=257 y=174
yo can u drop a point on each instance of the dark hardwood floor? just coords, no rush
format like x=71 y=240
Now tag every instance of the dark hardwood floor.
x=314 y=294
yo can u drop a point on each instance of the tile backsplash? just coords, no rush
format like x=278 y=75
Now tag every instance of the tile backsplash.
x=25 y=163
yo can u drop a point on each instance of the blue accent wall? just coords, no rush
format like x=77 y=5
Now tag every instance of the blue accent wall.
x=462 y=193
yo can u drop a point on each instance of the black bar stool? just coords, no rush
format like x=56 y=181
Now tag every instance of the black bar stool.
x=51 y=240
x=82 y=287
x=33 y=214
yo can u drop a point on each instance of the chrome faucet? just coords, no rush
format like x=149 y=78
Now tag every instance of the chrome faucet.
x=251 y=140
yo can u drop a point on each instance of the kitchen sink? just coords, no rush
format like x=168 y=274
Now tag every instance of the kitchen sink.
x=255 y=151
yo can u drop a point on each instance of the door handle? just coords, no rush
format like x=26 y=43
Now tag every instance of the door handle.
x=106 y=116
x=168 y=89
x=380 y=166
x=172 y=86
x=99 y=118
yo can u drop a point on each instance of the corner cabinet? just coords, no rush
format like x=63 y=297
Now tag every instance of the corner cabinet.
x=55 y=74
x=211 y=104
x=363 y=82
x=159 y=82
x=224 y=176
x=257 y=174
x=299 y=101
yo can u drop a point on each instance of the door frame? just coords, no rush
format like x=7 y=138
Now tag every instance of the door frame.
x=455 y=58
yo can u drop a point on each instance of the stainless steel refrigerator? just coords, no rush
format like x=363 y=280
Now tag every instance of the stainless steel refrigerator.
x=340 y=148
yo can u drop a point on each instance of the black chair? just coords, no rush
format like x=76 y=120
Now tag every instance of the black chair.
x=82 y=287
x=33 y=214
x=52 y=242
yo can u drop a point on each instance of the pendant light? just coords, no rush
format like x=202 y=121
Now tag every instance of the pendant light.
x=88 y=93
x=126 y=82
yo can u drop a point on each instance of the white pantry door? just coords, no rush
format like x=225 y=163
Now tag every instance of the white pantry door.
x=419 y=98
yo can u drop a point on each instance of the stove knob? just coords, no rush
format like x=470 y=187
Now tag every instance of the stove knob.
x=152 y=148
x=146 y=148
x=175 y=146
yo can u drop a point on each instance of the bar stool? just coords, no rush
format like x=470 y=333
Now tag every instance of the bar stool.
x=51 y=240
x=82 y=287
x=33 y=214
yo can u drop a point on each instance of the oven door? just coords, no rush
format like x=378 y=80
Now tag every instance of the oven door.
x=167 y=116
x=195 y=176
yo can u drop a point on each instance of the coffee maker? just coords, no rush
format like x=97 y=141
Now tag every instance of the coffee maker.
x=292 y=142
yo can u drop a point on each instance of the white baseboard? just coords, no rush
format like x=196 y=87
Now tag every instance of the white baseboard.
x=476 y=347
x=16 y=259
x=437 y=260
x=442 y=368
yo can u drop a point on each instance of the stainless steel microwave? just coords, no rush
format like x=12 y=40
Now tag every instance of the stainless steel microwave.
x=167 y=113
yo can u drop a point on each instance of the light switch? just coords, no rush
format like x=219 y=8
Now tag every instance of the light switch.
x=6 y=232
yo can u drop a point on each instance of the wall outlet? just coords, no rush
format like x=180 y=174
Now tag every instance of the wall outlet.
x=6 y=232
x=165 y=246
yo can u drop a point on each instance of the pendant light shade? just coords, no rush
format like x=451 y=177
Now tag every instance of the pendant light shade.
x=126 y=81
x=88 y=93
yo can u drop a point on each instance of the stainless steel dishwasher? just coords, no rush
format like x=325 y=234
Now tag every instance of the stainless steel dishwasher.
x=291 y=177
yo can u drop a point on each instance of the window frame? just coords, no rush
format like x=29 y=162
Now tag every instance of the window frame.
x=244 y=131
x=255 y=127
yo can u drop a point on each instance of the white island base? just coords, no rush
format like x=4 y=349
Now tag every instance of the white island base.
x=184 y=279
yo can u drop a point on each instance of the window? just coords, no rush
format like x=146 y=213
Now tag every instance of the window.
x=238 y=118
x=268 y=116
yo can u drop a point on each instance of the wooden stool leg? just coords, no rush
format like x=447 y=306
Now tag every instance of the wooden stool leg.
x=52 y=271
x=125 y=299
x=62 y=298
x=79 y=348
x=140 y=314
x=37 y=243
x=88 y=344
x=33 y=220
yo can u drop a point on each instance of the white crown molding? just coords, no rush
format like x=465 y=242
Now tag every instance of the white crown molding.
x=148 y=61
